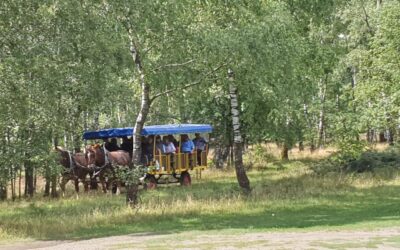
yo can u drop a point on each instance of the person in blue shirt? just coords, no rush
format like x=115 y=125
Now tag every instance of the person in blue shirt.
x=200 y=144
x=187 y=147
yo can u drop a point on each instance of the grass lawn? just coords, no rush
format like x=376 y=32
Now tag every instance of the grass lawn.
x=285 y=197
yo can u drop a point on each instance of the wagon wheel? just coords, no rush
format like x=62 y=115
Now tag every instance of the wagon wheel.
x=150 y=182
x=185 y=179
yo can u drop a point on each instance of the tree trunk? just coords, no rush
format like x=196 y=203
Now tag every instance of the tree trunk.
x=321 y=120
x=221 y=154
x=378 y=4
x=13 y=196
x=321 y=127
x=47 y=186
x=66 y=141
x=310 y=127
x=241 y=175
x=96 y=120
x=382 y=137
x=54 y=183
x=285 y=152
x=370 y=135
x=301 y=146
x=353 y=89
x=34 y=180
x=3 y=192
x=312 y=146
x=391 y=133
x=231 y=155
x=133 y=186
x=29 y=183
x=77 y=143
x=19 y=183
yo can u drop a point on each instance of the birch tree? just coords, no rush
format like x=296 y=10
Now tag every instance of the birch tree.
x=241 y=176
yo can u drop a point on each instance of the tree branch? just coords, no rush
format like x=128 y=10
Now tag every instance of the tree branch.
x=190 y=84
x=366 y=19
x=174 y=65
x=148 y=49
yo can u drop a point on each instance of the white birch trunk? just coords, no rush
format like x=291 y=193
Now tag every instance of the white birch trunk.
x=133 y=188
x=241 y=176
x=321 y=120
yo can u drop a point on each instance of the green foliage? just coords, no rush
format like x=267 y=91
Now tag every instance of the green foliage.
x=306 y=71
x=130 y=175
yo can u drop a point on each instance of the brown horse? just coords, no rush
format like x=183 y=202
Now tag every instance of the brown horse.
x=75 y=168
x=104 y=164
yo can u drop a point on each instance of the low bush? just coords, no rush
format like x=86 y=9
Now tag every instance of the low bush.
x=368 y=161
x=258 y=158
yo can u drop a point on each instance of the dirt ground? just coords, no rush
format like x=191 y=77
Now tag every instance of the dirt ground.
x=388 y=238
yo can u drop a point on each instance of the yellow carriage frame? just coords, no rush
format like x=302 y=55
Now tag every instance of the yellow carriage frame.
x=181 y=162
x=161 y=164
x=178 y=164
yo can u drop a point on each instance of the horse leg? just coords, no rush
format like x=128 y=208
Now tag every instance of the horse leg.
x=85 y=185
x=64 y=181
x=76 y=182
x=118 y=191
x=93 y=182
x=103 y=183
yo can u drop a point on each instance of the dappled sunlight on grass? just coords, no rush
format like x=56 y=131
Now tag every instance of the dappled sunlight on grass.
x=287 y=197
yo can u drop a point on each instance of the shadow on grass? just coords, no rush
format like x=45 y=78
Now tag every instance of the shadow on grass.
x=285 y=203
x=374 y=205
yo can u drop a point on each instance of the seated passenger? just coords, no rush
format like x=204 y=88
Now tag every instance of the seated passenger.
x=111 y=145
x=127 y=144
x=147 y=147
x=160 y=149
x=200 y=145
x=172 y=139
x=169 y=149
x=187 y=147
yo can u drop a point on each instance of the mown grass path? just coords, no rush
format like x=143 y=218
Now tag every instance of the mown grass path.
x=388 y=238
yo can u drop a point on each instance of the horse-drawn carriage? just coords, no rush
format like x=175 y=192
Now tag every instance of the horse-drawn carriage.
x=163 y=167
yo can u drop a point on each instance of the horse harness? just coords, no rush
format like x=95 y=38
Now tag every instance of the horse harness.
x=107 y=162
x=73 y=164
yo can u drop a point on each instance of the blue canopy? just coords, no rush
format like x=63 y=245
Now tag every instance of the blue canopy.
x=149 y=130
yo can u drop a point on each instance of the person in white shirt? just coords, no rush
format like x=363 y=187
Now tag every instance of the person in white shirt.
x=169 y=149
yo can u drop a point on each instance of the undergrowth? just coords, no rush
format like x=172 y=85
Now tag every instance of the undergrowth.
x=375 y=161
x=285 y=195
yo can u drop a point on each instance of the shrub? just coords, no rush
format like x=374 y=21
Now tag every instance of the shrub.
x=368 y=161
x=258 y=157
